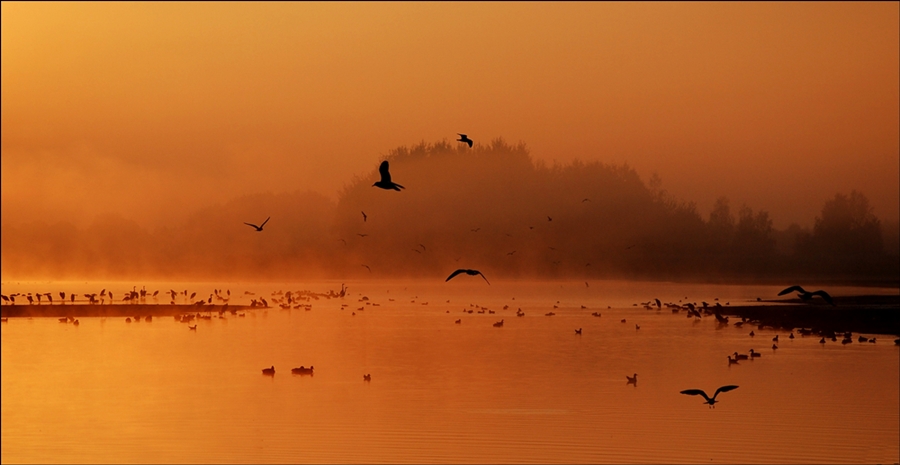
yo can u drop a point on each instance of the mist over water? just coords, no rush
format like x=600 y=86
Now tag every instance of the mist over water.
x=702 y=154
x=493 y=207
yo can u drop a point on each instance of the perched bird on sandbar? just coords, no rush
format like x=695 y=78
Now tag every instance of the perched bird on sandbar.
x=711 y=402
x=468 y=272
x=260 y=227
x=386 y=182
x=805 y=295
x=269 y=371
x=464 y=138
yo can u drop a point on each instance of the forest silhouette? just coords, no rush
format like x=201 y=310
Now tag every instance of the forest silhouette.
x=491 y=207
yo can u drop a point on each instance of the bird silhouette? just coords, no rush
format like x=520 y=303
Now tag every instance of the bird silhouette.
x=468 y=272
x=712 y=401
x=367 y=267
x=386 y=182
x=464 y=138
x=631 y=380
x=260 y=227
x=361 y=235
x=365 y=217
x=805 y=295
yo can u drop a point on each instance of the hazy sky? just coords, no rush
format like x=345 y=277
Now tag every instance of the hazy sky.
x=151 y=110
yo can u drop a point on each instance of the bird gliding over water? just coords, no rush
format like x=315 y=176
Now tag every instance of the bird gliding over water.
x=468 y=272
x=711 y=402
x=386 y=182
x=260 y=227
x=805 y=295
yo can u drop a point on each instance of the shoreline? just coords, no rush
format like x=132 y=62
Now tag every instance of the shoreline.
x=870 y=314
x=117 y=310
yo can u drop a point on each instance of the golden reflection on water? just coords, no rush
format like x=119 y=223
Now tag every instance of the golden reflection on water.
x=531 y=391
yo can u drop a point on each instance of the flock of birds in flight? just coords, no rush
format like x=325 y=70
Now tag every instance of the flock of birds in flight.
x=387 y=183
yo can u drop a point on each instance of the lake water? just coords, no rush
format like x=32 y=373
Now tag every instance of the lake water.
x=529 y=391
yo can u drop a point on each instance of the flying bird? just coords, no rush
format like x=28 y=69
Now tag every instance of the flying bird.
x=711 y=402
x=361 y=235
x=464 y=138
x=386 y=182
x=364 y=216
x=549 y=219
x=260 y=227
x=367 y=267
x=468 y=272
x=805 y=295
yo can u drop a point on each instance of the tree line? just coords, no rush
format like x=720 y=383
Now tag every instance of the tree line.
x=492 y=207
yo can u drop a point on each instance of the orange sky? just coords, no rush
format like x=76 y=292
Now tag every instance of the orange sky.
x=153 y=110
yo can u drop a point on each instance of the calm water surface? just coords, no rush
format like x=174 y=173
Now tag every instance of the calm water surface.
x=530 y=391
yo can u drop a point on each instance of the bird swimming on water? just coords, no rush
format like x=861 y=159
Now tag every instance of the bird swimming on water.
x=711 y=401
x=260 y=227
x=386 y=182
x=468 y=272
x=464 y=138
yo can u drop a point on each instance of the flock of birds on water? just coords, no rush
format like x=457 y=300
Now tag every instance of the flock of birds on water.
x=302 y=300
x=292 y=300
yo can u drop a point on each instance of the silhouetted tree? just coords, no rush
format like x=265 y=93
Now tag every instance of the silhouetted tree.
x=753 y=246
x=846 y=238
